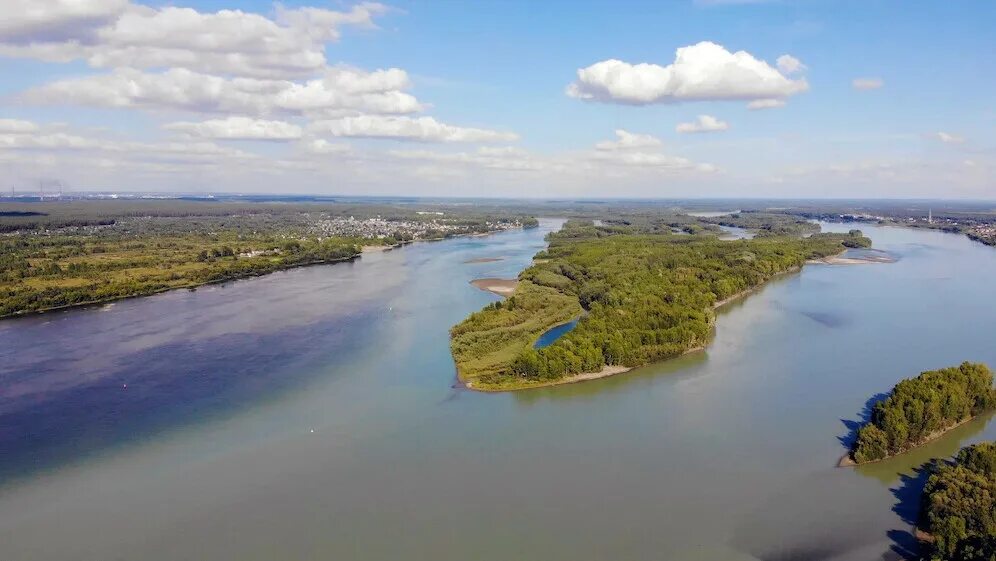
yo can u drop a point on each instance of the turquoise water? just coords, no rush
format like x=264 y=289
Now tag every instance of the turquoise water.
x=311 y=414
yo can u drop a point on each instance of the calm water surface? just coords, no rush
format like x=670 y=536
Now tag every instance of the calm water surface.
x=551 y=335
x=310 y=414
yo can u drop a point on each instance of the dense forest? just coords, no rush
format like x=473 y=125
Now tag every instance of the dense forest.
x=645 y=297
x=70 y=253
x=920 y=408
x=959 y=506
x=39 y=273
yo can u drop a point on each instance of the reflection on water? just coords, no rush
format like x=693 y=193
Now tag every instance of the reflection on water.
x=889 y=471
x=310 y=415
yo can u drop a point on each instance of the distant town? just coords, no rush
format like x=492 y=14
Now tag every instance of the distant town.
x=401 y=229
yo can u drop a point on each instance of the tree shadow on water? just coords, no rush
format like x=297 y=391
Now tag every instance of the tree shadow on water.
x=864 y=417
x=907 y=507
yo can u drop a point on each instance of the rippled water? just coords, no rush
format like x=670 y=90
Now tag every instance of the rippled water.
x=310 y=414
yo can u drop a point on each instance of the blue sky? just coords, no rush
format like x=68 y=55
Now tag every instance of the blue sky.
x=448 y=98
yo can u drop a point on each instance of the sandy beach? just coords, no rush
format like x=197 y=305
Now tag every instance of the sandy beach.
x=375 y=248
x=501 y=287
x=868 y=257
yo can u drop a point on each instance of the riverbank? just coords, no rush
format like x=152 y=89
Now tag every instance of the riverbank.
x=188 y=286
x=848 y=461
x=261 y=268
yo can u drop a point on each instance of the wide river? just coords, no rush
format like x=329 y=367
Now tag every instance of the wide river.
x=311 y=415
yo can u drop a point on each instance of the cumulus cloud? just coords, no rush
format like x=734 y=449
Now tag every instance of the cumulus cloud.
x=765 y=104
x=628 y=141
x=114 y=33
x=424 y=129
x=949 y=138
x=703 y=123
x=342 y=90
x=704 y=71
x=39 y=21
x=238 y=128
x=788 y=64
x=867 y=83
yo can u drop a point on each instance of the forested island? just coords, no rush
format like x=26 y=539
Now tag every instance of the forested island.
x=72 y=253
x=958 y=515
x=643 y=294
x=922 y=408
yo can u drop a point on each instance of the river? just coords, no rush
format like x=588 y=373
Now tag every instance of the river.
x=311 y=414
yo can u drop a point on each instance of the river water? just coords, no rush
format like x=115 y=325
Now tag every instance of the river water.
x=310 y=414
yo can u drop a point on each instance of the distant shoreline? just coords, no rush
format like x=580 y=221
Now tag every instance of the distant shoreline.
x=193 y=286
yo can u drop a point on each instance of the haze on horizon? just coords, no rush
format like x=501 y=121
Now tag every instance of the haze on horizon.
x=692 y=98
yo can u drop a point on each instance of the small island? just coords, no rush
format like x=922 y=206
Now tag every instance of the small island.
x=643 y=294
x=921 y=409
x=958 y=517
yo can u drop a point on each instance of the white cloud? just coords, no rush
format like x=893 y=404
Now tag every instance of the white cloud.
x=507 y=158
x=45 y=140
x=949 y=138
x=113 y=33
x=627 y=141
x=703 y=123
x=705 y=71
x=342 y=90
x=238 y=128
x=646 y=159
x=322 y=146
x=765 y=104
x=34 y=21
x=424 y=129
x=640 y=151
x=15 y=126
x=867 y=83
x=789 y=64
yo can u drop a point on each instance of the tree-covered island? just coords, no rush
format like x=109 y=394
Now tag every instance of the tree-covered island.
x=958 y=507
x=643 y=294
x=922 y=408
